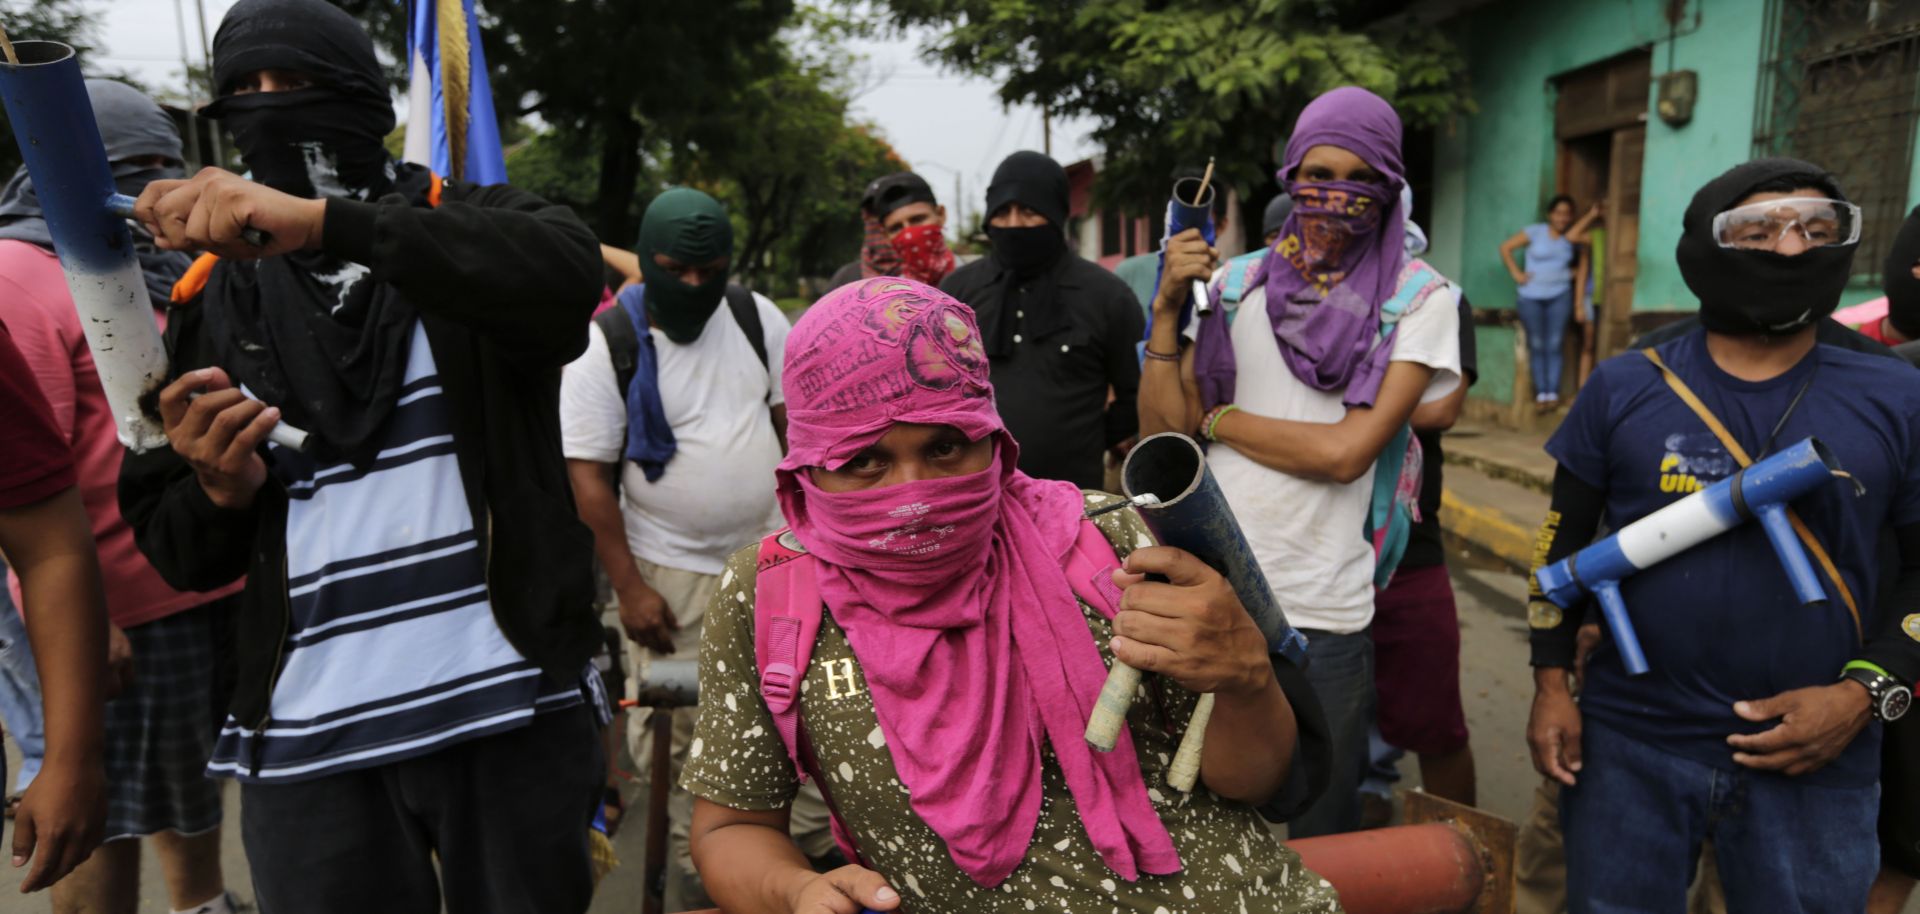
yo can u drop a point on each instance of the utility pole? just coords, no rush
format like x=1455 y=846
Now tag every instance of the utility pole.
x=1046 y=129
x=193 y=95
x=213 y=91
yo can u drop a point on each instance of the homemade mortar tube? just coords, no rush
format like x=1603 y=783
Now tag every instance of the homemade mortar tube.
x=1194 y=210
x=1762 y=490
x=52 y=120
x=1192 y=515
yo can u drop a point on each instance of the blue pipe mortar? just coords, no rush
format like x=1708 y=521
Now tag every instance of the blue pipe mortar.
x=1761 y=491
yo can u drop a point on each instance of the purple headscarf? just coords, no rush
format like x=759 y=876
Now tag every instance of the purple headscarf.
x=1337 y=260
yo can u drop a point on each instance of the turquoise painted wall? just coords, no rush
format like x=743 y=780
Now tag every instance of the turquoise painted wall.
x=1495 y=169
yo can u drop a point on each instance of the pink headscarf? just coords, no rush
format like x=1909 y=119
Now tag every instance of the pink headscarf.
x=951 y=590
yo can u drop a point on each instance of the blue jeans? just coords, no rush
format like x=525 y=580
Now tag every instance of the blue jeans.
x=1635 y=822
x=1546 y=324
x=19 y=693
x=1340 y=668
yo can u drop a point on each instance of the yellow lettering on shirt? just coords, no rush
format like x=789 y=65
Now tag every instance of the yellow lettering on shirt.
x=845 y=672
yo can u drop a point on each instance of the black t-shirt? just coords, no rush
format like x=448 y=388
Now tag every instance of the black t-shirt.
x=1424 y=546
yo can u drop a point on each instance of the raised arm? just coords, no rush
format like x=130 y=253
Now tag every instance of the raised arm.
x=1577 y=233
x=1169 y=400
x=520 y=271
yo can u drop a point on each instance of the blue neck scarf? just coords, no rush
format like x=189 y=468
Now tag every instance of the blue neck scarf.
x=650 y=441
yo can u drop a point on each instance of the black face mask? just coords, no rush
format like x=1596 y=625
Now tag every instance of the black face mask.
x=1747 y=293
x=311 y=142
x=1896 y=278
x=1027 y=251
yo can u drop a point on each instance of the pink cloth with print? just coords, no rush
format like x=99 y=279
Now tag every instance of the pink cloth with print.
x=951 y=591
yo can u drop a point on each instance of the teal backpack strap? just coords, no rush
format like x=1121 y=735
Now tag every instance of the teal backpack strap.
x=1397 y=473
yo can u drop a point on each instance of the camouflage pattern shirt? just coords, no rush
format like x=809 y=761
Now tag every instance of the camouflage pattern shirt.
x=1233 y=863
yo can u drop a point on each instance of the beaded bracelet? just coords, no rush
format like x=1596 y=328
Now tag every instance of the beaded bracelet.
x=1213 y=419
x=1159 y=356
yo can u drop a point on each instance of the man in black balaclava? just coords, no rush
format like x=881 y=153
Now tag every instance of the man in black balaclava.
x=1059 y=331
x=161 y=727
x=1900 y=279
x=415 y=718
x=1751 y=695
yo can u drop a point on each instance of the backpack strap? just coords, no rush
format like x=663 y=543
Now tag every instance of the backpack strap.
x=1090 y=565
x=786 y=620
x=1739 y=454
x=746 y=313
x=623 y=339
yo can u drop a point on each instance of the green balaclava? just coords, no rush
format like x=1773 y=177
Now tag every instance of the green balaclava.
x=693 y=229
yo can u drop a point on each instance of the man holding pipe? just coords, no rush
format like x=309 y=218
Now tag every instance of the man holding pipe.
x=1759 y=724
x=415 y=719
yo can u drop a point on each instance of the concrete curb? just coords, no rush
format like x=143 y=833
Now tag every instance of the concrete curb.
x=1488 y=529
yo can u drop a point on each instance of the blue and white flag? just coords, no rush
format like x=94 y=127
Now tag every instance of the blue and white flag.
x=450 y=120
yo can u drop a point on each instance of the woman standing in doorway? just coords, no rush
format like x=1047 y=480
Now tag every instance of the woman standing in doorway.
x=1546 y=290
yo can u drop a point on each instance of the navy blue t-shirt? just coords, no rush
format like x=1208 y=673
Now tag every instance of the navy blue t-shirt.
x=1719 y=622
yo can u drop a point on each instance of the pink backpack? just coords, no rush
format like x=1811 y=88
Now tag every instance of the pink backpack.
x=786 y=620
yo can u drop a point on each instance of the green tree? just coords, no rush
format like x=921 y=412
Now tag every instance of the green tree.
x=785 y=155
x=616 y=74
x=1171 y=82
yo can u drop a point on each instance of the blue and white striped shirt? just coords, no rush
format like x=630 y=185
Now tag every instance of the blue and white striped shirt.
x=392 y=651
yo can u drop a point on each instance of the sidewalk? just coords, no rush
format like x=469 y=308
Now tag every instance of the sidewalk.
x=1496 y=490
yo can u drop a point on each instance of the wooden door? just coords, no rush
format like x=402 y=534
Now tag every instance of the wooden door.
x=1623 y=238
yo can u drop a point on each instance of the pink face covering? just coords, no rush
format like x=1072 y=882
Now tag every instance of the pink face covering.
x=951 y=590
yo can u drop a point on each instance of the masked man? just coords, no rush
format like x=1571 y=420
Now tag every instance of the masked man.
x=672 y=423
x=160 y=726
x=1060 y=332
x=1759 y=724
x=415 y=720
x=906 y=233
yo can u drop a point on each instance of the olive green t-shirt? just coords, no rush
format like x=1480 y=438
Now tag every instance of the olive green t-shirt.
x=1233 y=863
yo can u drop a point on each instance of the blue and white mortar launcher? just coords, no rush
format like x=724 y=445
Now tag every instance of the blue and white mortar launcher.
x=52 y=120
x=1762 y=490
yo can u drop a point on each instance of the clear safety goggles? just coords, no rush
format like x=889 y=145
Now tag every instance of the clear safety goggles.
x=1760 y=226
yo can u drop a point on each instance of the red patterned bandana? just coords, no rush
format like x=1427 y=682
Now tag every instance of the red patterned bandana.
x=924 y=255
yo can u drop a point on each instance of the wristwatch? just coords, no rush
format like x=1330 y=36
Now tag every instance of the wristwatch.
x=1890 y=698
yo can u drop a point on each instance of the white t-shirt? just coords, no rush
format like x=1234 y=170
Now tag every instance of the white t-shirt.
x=717 y=492
x=1307 y=534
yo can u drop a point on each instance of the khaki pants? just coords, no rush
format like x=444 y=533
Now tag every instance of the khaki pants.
x=688 y=593
x=1540 y=863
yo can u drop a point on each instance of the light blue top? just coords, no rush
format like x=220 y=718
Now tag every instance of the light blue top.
x=1549 y=263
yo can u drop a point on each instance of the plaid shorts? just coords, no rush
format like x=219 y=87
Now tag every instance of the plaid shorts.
x=161 y=731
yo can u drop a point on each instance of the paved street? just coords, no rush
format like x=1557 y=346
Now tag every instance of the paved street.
x=1493 y=676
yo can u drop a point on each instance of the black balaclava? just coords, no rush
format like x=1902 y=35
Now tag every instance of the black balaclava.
x=887 y=194
x=692 y=228
x=1039 y=184
x=1896 y=278
x=1744 y=292
x=321 y=141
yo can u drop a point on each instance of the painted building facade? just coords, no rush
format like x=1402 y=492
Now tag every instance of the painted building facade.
x=1570 y=100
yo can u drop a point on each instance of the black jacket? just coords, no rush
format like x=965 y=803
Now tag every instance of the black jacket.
x=505 y=284
x=1052 y=391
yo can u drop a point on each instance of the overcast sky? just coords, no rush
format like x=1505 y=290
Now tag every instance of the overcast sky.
x=944 y=125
